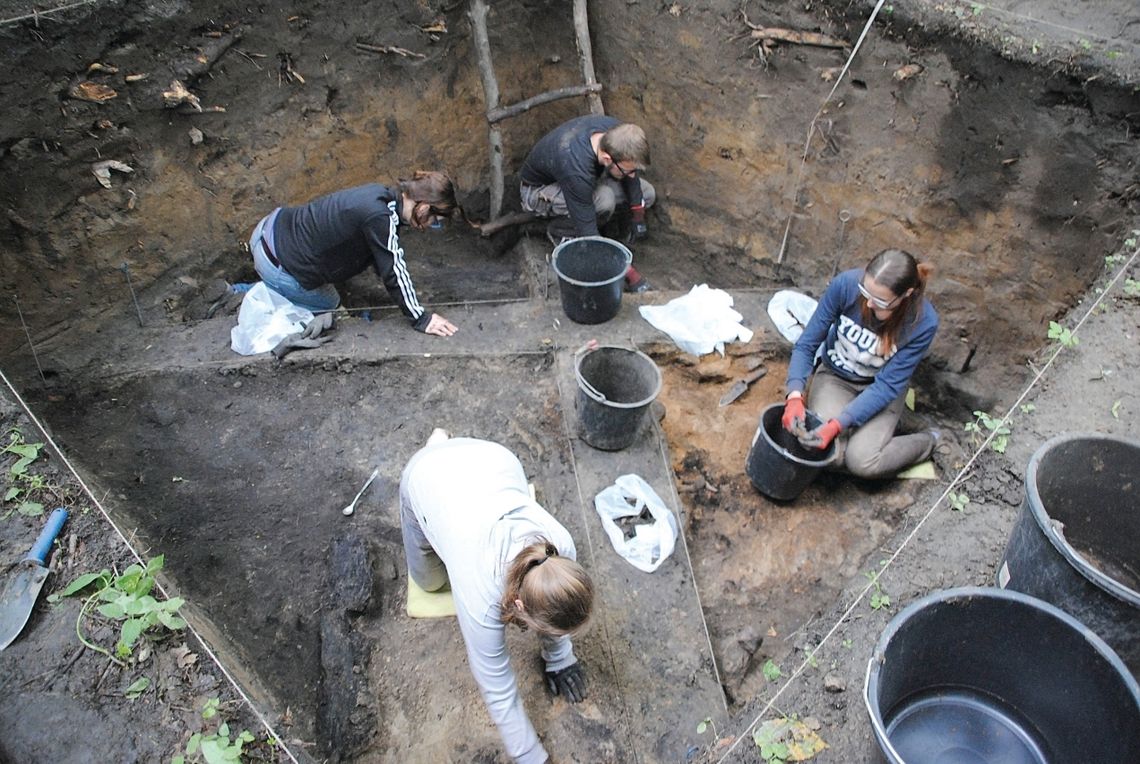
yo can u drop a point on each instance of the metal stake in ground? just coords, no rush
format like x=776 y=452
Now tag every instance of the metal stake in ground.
x=28 y=334
x=126 y=269
x=844 y=216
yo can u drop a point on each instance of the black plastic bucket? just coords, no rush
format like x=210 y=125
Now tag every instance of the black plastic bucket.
x=778 y=464
x=1076 y=542
x=590 y=272
x=989 y=675
x=615 y=389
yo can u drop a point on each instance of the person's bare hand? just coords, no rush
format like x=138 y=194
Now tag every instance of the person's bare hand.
x=440 y=326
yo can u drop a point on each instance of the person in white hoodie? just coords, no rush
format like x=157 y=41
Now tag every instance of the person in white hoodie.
x=465 y=507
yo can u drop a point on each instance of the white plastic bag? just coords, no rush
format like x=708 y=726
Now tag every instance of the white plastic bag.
x=790 y=311
x=699 y=322
x=651 y=544
x=265 y=319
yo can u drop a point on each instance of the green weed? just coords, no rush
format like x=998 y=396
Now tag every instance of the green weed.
x=787 y=739
x=958 y=501
x=1028 y=408
x=125 y=598
x=137 y=688
x=215 y=747
x=22 y=484
x=984 y=423
x=771 y=671
x=1131 y=288
x=1062 y=335
x=880 y=600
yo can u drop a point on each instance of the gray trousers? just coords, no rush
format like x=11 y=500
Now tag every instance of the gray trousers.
x=424 y=565
x=871 y=450
x=549 y=201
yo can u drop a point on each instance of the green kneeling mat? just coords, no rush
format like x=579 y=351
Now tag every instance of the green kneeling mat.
x=920 y=471
x=423 y=604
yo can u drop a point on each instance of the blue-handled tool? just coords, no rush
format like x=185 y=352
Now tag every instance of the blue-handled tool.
x=21 y=589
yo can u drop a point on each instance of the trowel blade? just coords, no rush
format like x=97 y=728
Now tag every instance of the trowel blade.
x=19 y=598
x=734 y=392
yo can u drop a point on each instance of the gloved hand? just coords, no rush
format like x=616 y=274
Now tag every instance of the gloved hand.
x=793 y=411
x=638 y=230
x=822 y=436
x=569 y=682
x=321 y=323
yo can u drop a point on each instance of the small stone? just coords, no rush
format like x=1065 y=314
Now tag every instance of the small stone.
x=196 y=136
x=834 y=683
x=237 y=384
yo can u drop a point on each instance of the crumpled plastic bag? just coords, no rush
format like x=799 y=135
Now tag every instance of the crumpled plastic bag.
x=265 y=319
x=790 y=311
x=651 y=543
x=699 y=322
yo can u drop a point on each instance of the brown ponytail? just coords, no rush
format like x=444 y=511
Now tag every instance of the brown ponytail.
x=898 y=271
x=556 y=592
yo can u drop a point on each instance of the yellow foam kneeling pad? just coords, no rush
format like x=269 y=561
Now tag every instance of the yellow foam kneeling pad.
x=423 y=604
x=920 y=471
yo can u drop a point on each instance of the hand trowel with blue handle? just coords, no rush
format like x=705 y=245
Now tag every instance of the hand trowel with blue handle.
x=22 y=588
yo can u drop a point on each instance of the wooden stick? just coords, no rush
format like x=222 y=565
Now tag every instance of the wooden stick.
x=505 y=112
x=586 y=54
x=389 y=49
x=770 y=34
x=477 y=13
x=506 y=221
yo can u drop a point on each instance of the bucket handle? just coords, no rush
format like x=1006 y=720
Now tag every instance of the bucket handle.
x=589 y=347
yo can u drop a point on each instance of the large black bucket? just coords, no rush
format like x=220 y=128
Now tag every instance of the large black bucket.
x=1076 y=542
x=590 y=273
x=778 y=464
x=989 y=675
x=615 y=389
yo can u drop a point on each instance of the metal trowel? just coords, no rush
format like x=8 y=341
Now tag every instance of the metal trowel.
x=23 y=586
x=741 y=385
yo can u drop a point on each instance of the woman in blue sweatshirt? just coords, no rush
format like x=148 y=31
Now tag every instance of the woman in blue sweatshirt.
x=871 y=328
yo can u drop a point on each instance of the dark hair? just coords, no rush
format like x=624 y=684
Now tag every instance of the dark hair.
x=556 y=592
x=898 y=271
x=433 y=194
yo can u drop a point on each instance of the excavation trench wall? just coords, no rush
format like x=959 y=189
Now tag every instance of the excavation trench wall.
x=1012 y=178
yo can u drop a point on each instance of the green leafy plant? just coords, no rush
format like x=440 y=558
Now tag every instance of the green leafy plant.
x=125 y=598
x=1085 y=44
x=1062 y=335
x=214 y=747
x=1116 y=409
x=984 y=423
x=22 y=483
x=787 y=739
x=847 y=643
x=977 y=8
x=958 y=501
x=910 y=398
x=1131 y=288
x=771 y=671
x=1028 y=408
x=880 y=600
x=706 y=724
x=137 y=688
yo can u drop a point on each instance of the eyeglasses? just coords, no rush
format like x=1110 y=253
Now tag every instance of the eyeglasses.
x=878 y=302
x=625 y=173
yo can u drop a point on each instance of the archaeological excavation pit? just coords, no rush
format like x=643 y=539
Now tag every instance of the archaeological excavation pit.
x=1005 y=155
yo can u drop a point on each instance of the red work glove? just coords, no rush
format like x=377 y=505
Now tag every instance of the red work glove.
x=793 y=410
x=638 y=229
x=822 y=436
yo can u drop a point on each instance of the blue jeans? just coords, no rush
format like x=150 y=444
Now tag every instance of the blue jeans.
x=323 y=298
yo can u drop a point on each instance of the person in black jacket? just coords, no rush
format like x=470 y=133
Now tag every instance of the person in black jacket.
x=301 y=252
x=578 y=173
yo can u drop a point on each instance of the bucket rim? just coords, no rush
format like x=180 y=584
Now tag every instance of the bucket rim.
x=820 y=463
x=627 y=255
x=878 y=657
x=594 y=395
x=1042 y=519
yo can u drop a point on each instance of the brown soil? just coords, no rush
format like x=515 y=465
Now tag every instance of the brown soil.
x=1009 y=161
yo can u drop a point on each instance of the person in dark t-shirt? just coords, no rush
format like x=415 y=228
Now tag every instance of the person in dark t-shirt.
x=580 y=171
x=301 y=252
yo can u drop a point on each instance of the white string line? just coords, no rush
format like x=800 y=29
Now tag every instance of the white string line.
x=37 y=15
x=1023 y=17
x=590 y=541
x=692 y=573
x=811 y=129
x=106 y=516
x=960 y=477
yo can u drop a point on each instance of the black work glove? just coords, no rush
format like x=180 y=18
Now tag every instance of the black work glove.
x=297 y=342
x=569 y=682
x=638 y=230
x=321 y=323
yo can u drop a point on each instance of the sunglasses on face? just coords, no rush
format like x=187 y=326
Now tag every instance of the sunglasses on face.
x=877 y=302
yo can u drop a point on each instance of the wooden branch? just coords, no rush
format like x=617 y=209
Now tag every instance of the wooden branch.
x=506 y=221
x=190 y=69
x=477 y=13
x=586 y=54
x=37 y=15
x=769 y=35
x=392 y=49
x=506 y=112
